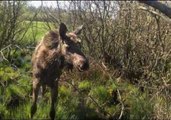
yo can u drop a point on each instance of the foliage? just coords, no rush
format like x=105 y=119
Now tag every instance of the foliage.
x=128 y=50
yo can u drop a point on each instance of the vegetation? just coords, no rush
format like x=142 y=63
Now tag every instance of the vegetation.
x=130 y=61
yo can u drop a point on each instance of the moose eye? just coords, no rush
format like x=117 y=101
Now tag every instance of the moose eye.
x=79 y=45
x=68 y=47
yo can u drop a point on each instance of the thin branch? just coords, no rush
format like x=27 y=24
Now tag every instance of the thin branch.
x=160 y=6
x=153 y=12
x=122 y=109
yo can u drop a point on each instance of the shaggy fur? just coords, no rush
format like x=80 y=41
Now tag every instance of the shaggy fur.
x=56 y=50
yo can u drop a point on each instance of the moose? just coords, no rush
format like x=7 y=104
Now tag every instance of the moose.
x=56 y=50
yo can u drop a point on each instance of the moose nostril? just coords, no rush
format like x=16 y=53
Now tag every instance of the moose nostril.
x=85 y=66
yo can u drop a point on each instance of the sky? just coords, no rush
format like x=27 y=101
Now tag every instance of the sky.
x=45 y=3
x=54 y=3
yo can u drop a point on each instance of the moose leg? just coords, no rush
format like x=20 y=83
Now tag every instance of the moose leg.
x=54 y=95
x=36 y=86
x=43 y=90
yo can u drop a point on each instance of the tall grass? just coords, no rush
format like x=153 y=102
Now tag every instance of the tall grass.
x=80 y=97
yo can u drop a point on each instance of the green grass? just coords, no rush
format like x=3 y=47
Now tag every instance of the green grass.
x=35 y=31
x=71 y=103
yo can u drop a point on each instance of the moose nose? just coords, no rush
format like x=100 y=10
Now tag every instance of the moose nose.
x=85 y=65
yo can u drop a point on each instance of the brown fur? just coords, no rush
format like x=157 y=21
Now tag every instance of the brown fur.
x=56 y=50
x=46 y=59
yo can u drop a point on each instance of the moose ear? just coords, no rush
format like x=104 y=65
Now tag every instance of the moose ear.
x=62 y=30
x=78 y=30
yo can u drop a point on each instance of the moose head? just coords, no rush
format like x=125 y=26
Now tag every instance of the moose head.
x=71 y=48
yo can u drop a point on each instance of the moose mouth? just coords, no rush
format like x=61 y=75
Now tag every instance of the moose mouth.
x=83 y=67
x=70 y=66
x=79 y=69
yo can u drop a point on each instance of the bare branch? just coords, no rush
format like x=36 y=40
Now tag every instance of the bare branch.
x=153 y=12
x=160 y=6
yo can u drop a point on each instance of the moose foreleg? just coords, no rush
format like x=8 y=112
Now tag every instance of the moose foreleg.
x=36 y=87
x=54 y=95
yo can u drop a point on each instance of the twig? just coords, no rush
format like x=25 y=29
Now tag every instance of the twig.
x=8 y=46
x=3 y=57
x=158 y=5
x=18 y=47
x=153 y=12
x=122 y=109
